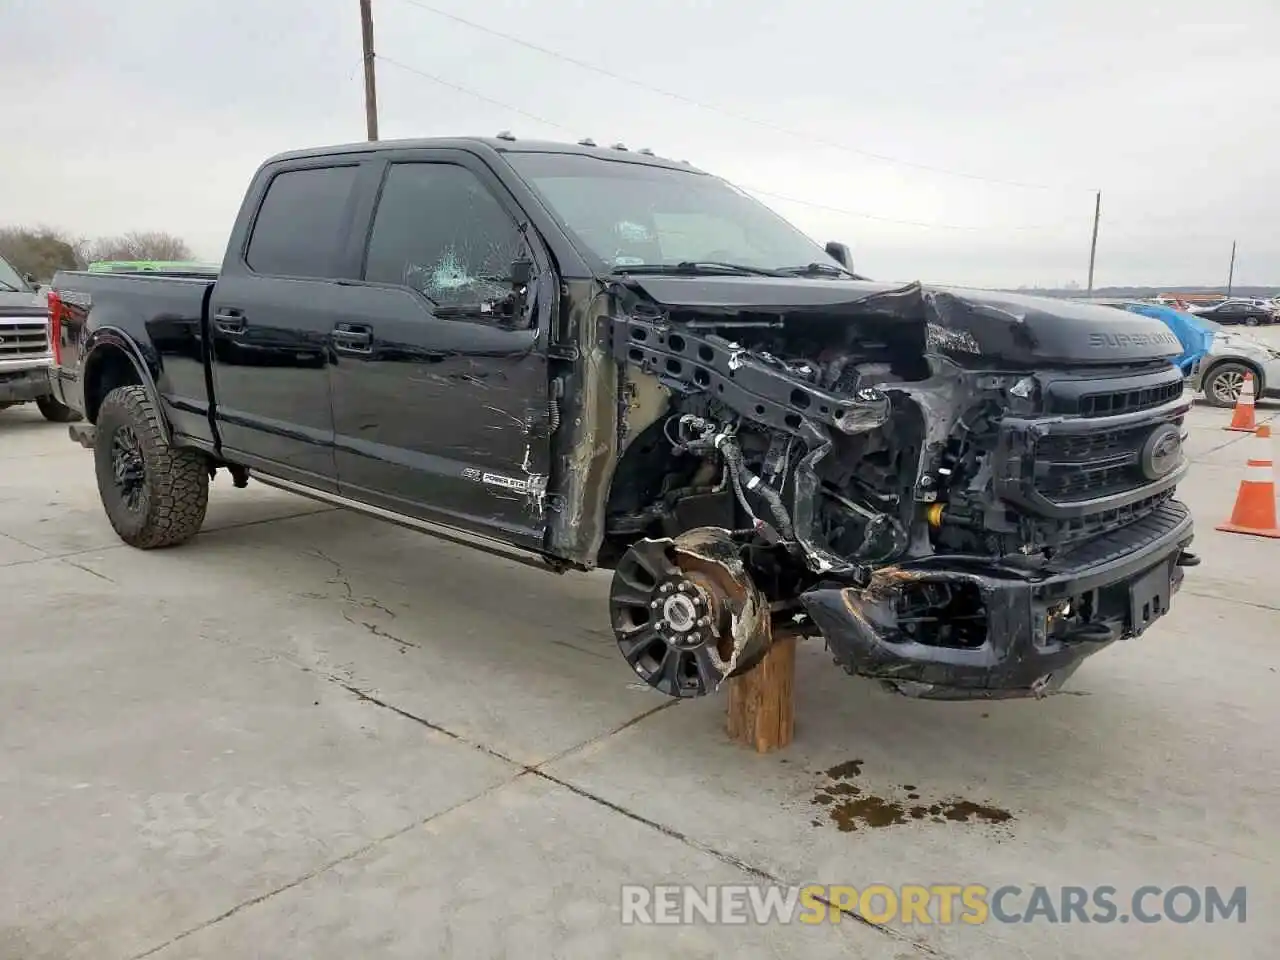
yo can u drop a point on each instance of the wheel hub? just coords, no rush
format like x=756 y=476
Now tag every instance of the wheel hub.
x=680 y=613
x=1229 y=386
x=128 y=469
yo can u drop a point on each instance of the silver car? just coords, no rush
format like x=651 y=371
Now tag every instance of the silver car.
x=1220 y=373
x=26 y=354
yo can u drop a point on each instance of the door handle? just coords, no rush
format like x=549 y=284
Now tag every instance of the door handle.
x=352 y=338
x=229 y=321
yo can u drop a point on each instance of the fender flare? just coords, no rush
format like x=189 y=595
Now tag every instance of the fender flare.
x=103 y=339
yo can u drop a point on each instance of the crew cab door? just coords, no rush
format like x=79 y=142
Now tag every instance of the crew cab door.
x=439 y=399
x=271 y=313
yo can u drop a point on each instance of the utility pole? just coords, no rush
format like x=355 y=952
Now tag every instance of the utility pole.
x=1093 y=245
x=1231 y=271
x=370 y=82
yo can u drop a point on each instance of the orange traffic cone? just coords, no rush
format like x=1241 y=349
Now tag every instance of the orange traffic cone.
x=1255 y=510
x=1242 y=415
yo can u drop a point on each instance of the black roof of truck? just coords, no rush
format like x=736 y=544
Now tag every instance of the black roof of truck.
x=499 y=144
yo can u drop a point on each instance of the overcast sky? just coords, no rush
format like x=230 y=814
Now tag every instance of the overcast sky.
x=153 y=114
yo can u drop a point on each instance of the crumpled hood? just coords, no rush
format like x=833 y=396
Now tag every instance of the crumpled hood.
x=965 y=323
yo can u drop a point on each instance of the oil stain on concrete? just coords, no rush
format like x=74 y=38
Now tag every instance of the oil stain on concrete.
x=850 y=807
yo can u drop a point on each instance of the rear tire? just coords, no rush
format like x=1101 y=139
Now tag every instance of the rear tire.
x=155 y=495
x=56 y=412
x=1225 y=381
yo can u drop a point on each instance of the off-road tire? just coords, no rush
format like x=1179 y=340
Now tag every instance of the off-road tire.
x=174 y=490
x=1215 y=393
x=56 y=412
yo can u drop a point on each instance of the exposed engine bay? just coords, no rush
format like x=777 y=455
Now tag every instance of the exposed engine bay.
x=880 y=463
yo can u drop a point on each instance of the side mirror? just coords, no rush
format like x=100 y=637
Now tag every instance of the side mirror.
x=31 y=280
x=839 y=252
x=521 y=277
x=521 y=273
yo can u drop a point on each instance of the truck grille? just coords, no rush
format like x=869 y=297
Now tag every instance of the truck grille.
x=1089 y=465
x=1068 y=447
x=24 y=340
x=1108 y=398
x=1087 y=482
x=1125 y=401
x=1078 y=467
x=1094 y=524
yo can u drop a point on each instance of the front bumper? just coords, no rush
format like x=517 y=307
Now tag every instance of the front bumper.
x=1040 y=625
x=25 y=385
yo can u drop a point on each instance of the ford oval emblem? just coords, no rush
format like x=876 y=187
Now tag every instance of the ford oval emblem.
x=1161 y=452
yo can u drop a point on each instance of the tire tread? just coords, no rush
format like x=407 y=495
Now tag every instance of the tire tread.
x=177 y=479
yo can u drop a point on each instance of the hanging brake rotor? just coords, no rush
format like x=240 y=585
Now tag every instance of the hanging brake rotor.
x=685 y=612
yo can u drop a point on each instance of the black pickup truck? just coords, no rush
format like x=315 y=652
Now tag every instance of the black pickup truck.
x=593 y=357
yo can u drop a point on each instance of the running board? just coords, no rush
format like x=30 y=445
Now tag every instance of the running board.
x=463 y=538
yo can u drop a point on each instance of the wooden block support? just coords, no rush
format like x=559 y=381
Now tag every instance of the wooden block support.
x=762 y=701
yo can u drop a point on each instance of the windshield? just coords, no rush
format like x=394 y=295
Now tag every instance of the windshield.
x=628 y=214
x=9 y=279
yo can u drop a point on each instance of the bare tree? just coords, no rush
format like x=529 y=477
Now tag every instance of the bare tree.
x=138 y=245
x=39 y=251
x=42 y=251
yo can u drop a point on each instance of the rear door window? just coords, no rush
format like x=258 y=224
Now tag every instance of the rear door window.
x=300 y=229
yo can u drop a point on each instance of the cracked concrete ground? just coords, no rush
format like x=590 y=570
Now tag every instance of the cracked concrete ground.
x=307 y=734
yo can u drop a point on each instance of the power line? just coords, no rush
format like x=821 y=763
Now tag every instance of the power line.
x=872 y=216
x=472 y=93
x=744 y=186
x=715 y=108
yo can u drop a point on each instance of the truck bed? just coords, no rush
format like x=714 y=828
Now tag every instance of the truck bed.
x=166 y=311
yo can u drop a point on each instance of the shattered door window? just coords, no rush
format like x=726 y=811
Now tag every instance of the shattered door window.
x=439 y=231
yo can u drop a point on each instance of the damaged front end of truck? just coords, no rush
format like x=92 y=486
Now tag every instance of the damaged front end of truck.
x=965 y=493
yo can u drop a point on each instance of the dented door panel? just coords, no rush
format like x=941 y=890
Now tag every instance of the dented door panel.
x=440 y=419
x=440 y=378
